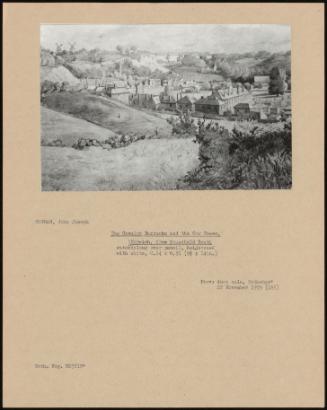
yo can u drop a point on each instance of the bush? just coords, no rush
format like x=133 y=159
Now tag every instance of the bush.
x=183 y=125
x=253 y=158
x=116 y=141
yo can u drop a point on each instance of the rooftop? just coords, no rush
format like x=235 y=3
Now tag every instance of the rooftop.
x=210 y=100
x=242 y=105
x=120 y=90
x=187 y=99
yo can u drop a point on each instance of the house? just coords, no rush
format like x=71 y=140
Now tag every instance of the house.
x=149 y=101
x=121 y=94
x=155 y=101
x=258 y=115
x=101 y=90
x=231 y=96
x=119 y=83
x=261 y=80
x=286 y=113
x=170 y=82
x=167 y=103
x=167 y=100
x=186 y=103
x=172 y=58
x=274 y=114
x=155 y=82
x=242 y=110
x=274 y=110
x=222 y=100
x=209 y=105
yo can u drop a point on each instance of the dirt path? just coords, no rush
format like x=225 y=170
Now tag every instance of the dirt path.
x=145 y=165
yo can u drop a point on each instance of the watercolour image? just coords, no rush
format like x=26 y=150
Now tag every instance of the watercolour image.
x=165 y=107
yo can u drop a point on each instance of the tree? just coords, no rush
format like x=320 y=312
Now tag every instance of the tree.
x=72 y=47
x=95 y=56
x=59 y=48
x=47 y=87
x=277 y=81
x=289 y=85
x=120 y=49
x=64 y=86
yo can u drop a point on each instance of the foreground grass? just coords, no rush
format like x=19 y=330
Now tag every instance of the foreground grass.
x=155 y=164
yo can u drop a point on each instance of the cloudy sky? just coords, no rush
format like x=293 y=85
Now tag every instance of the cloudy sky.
x=231 y=38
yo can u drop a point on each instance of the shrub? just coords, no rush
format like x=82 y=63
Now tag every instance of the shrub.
x=245 y=158
x=183 y=125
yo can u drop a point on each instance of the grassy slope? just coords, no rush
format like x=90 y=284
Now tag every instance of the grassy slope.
x=145 y=165
x=107 y=113
x=57 y=125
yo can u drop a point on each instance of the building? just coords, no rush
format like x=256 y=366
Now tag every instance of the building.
x=168 y=82
x=286 y=113
x=121 y=94
x=221 y=101
x=155 y=102
x=167 y=103
x=274 y=110
x=258 y=115
x=242 y=110
x=172 y=58
x=155 y=82
x=167 y=100
x=261 y=80
x=232 y=96
x=101 y=90
x=186 y=103
x=148 y=101
x=209 y=105
x=117 y=82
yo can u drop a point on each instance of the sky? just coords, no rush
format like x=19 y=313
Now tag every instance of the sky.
x=162 y=38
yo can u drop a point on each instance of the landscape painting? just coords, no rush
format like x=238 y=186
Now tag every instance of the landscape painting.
x=165 y=107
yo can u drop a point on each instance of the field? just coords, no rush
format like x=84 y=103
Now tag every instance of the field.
x=145 y=165
x=69 y=129
x=107 y=113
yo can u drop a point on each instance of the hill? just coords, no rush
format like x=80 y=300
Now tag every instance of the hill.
x=247 y=65
x=69 y=129
x=107 y=113
x=279 y=60
x=58 y=74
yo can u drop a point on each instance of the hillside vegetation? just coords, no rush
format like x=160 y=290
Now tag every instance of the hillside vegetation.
x=248 y=157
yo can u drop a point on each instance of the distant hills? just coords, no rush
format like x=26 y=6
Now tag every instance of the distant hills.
x=276 y=59
x=98 y=62
x=248 y=65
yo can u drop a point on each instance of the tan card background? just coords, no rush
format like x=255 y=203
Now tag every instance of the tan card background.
x=148 y=332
